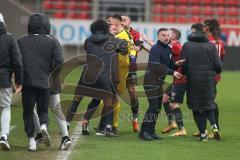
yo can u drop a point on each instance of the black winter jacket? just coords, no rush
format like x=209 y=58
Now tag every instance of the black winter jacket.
x=160 y=64
x=40 y=51
x=10 y=59
x=202 y=65
x=101 y=70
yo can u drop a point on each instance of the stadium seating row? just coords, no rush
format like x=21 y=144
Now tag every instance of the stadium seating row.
x=71 y=15
x=73 y=9
x=195 y=10
x=193 y=19
x=204 y=2
x=72 y=5
x=170 y=11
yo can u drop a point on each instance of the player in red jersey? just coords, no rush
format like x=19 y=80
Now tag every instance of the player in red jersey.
x=176 y=96
x=132 y=76
x=212 y=28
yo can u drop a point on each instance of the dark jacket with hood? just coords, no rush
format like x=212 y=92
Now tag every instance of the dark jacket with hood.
x=202 y=65
x=101 y=67
x=10 y=59
x=40 y=51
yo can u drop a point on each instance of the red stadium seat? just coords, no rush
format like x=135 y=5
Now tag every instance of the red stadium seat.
x=220 y=10
x=207 y=2
x=195 y=19
x=182 y=9
x=84 y=6
x=194 y=1
x=72 y=15
x=232 y=11
x=170 y=1
x=72 y=5
x=59 y=5
x=233 y=2
x=85 y=0
x=219 y=2
x=182 y=1
x=158 y=9
x=221 y=20
x=195 y=10
x=170 y=19
x=206 y=17
x=207 y=10
x=169 y=8
x=181 y=19
x=59 y=14
x=47 y=5
x=232 y=21
x=157 y=18
x=84 y=16
x=158 y=1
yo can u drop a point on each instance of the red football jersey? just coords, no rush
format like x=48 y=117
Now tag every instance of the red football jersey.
x=221 y=51
x=219 y=45
x=176 y=48
x=135 y=35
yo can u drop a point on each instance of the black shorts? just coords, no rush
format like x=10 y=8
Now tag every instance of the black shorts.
x=177 y=94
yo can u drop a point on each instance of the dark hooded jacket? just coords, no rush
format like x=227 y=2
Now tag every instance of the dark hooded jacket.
x=10 y=59
x=202 y=65
x=101 y=71
x=40 y=51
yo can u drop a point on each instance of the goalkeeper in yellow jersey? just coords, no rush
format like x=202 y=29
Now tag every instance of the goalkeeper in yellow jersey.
x=123 y=64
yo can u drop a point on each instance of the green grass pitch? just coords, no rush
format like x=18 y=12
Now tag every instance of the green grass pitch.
x=128 y=146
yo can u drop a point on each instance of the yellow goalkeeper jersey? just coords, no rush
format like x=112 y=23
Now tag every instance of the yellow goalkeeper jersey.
x=123 y=61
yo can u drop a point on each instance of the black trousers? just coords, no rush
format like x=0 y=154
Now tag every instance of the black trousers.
x=32 y=96
x=151 y=115
x=92 y=107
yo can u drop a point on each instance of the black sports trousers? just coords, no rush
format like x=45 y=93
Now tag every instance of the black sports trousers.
x=32 y=96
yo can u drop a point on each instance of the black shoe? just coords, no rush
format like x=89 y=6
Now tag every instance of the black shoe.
x=66 y=143
x=110 y=133
x=4 y=144
x=216 y=133
x=46 y=138
x=204 y=137
x=39 y=138
x=145 y=136
x=85 y=130
x=115 y=130
x=100 y=132
x=156 y=137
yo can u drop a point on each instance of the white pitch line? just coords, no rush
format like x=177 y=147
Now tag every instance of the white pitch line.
x=64 y=155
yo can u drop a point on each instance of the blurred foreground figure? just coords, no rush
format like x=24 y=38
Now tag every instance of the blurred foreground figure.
x=10 y=62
